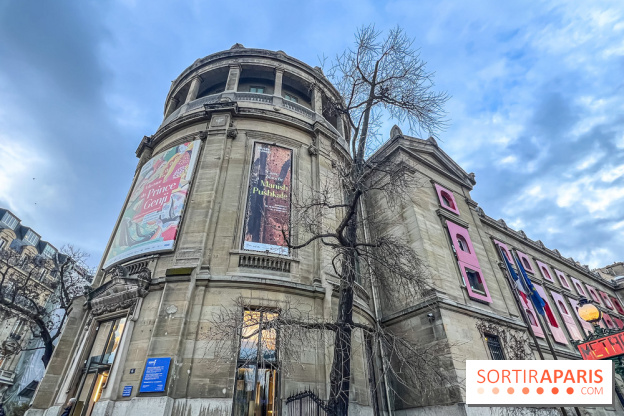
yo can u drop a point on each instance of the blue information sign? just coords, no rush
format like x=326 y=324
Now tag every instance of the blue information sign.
x=155 y=375
x=127 y=391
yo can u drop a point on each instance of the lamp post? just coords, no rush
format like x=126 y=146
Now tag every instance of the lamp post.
x=590 y=313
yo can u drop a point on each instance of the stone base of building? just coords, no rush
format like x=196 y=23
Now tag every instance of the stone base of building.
x=153 y=406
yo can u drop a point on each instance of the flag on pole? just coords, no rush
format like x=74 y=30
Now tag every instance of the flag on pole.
x=538 y=302
x=518 y=282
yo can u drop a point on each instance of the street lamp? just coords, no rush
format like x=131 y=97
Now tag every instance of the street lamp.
x=589 y=312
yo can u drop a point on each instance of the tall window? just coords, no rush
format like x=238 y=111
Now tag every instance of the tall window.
x=495 y=347
x=255 y=391
x=98 y=365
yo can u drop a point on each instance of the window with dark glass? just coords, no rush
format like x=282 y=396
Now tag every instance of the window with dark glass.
x=495 y=347
x=255 y=390
x=474 y=280
x=290 y=97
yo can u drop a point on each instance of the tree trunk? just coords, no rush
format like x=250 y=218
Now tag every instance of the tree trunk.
x=340 y=376
x=48 y=344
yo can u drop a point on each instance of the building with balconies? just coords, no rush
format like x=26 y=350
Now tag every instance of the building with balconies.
x=14 y=331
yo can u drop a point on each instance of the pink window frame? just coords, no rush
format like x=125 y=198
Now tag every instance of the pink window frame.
x=594 y=294
x=606 y=300
x=505 y=250
x=522 y=256
x=471 y=257
x=439 y=189
x=608 y=321
x=578 y=284
x=541 y=266
x=528 y=307
x=562 y=279
x=617 y=304
x=566 y=315
x=483 y=297
x=618 y=322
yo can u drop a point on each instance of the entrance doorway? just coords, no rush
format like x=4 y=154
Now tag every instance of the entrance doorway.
x=98 y=365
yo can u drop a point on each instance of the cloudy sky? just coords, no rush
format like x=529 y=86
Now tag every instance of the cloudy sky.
x=537 y=108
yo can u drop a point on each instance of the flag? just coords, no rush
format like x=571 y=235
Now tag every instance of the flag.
x=519 y=284
x=538 y=302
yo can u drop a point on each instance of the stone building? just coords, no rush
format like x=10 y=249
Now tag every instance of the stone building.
x=244 y=132
x=15 y=332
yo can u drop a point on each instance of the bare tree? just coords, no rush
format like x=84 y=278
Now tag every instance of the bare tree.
x=381 y=77
x=39 y=290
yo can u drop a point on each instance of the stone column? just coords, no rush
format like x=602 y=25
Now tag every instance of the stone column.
x=194 y=89
x=279 y=74
x=277 y=90
x=232 y=82
x=171 y=106
x=340 y=125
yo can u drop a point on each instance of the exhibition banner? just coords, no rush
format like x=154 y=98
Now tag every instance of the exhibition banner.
x=152 y=216
x=267 y=216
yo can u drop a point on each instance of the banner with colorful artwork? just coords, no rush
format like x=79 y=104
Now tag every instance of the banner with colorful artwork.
x=152 y=216
x=267 y=217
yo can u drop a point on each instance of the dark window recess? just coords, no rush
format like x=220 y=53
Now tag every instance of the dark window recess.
x=475 y=281
x=447 y=200
x=495 y=347
x=463 y=244
x=527 y=266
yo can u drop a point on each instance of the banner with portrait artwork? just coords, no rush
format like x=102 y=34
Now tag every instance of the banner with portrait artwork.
x=267 y=216
x=152 y=216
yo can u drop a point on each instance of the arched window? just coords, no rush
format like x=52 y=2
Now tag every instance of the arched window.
x=462 y=243
x=526 y=264
x=531 y=317
x=545 y=272
x=562 y=308
x=447 y=200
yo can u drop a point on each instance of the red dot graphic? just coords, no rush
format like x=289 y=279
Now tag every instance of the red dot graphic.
x=555 y=390
x=495 y=390
x=540 y=390
x=570 y=390
x=510 y=390
x=525 y=390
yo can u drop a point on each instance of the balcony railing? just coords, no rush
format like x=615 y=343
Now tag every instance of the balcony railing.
x=252 y=97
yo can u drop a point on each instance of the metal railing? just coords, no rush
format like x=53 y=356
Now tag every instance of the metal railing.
x=307 y=403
